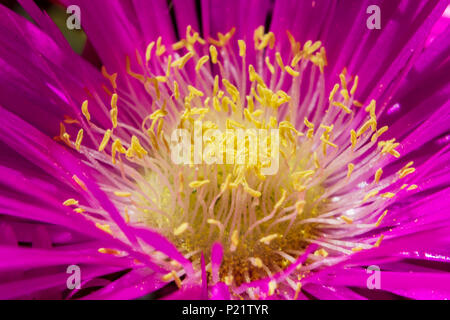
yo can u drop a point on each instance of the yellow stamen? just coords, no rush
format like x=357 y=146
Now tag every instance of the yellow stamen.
x=79 y=182
x=122 y=194
x=321 y=252
x=182 y=228
x=272 y=287
x=347 y=219
x=378 y=175
x=104 y=227
x=350 y=168
x=242 y=48
x=105 y=140
x=388 y=195
x=291 y=71
x=70 y=202
x=377 y=244
x=377 y=224
x=198 y=183
x=201 y=62
x=268 y=239
x=370 y=194
x=85 y=111
x=213 y=53
x=79 y=139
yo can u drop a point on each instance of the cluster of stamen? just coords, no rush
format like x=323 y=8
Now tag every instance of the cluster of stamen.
x=319 y=194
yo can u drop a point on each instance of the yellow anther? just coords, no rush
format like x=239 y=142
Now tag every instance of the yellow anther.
x=127 y=216
x=198 y=183
x=378 y=175
x=316 y=160
x=113 y=113
x=296 y=60
x=371 y=109
x=79 y=210
x=350 y=169
x=116 y=147
x=252 y=192
x=342 y=106
x=388 y=195
x=148 y=52
x=111 y=77
x=353 y=138
x=231 y=89
x=181 y=62
x=291 y=71
x=268 y=239
x=343 y=81
x=308 y=124
x=370 y=194
x=279 y=60
x=404 y=172
x=213 y=53
x=79 y=182
x=333 y=92
x=160 y=49
x=216 y=85
x=354 y=86
x=280 y=202
x=228 y=280
x=180 y=229
x=369 y=123
x=122 y=194
x=302 y=174
x=345 y=94
x=257 y=262
x=172 y=276
x=242 y=48
x=269 y=65
x=226 y=183
x=356 y=103
x=109 y=251
x=297 y=290
x=347 y=219
x=70 y=202
x=321 y=252
x=412 y=187
x=79 y=139
x=326 y=141
x=159 y=113
x=377 y=244
x=377 y=224
x=105 y=140
x=253 y=76
x=214 y=222
x=176 y=90
x=379 y=133
x=194 y=92
x=357 y=249
x=272 y=287
x=169 y=66
x=114 y=98
x=104 y=227
x=234 y=240
x=299 y=206
x=201 y=62
x=85 y=111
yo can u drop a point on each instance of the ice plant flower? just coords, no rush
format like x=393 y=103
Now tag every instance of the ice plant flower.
x=361 y=165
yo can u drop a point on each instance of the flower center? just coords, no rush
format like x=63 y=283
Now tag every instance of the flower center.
x=247 y=150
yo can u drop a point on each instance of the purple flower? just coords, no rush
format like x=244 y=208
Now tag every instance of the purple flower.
x=357 y=206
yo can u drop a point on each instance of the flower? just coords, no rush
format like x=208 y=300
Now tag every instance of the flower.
x=89 y=177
